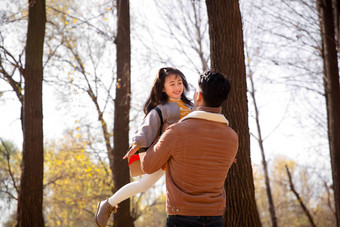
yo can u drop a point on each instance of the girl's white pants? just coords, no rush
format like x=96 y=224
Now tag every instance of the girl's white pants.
x=131 y=189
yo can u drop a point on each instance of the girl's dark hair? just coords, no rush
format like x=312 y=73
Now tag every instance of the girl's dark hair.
x=157 y=96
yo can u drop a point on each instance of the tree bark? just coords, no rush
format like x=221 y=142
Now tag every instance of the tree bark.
x=227 y=57
x=120 y=169
x=332 y=93
x=31 y=183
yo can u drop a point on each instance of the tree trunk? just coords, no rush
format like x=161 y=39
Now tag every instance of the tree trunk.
x=31 y=183
x=332 y=93
x=227 y=57
x=120 y=169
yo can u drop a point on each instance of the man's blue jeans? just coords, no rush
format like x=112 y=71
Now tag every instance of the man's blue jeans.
x=194 y=221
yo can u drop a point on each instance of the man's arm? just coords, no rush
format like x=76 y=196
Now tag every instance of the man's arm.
x=160 y=152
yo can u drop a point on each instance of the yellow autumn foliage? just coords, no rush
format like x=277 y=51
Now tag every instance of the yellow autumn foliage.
x=75 y=183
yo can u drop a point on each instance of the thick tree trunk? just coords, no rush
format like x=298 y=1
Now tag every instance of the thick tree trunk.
x=31 y=183
x=332 y=93
x=120 y=168
x=227 y=57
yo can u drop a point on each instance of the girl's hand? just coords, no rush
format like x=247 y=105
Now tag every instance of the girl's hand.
x=131 y=152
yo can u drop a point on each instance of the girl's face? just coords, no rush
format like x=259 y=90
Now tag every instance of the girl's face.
x=173 y=86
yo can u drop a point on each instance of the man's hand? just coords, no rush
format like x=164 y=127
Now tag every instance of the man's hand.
x=132 y=151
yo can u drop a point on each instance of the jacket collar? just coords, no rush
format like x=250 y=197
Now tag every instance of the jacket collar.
x=207 y=113
x=209 y=109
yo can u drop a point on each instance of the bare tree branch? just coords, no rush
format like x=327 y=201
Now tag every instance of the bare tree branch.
x=9 y=168
x=329 y=203
x=303 y=206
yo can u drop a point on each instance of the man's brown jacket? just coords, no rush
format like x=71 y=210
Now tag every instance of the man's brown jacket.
x=198 y=152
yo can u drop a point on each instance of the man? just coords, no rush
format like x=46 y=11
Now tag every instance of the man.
x=198 y=152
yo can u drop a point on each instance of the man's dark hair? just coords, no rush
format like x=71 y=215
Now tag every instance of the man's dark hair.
x=214 y=88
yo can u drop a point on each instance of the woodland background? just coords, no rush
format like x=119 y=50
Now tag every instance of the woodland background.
x=61 y=142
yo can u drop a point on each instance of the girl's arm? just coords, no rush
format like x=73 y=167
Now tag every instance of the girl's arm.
x=146 y=133
x=149 y=130
x=135 y=147
x=160 y=152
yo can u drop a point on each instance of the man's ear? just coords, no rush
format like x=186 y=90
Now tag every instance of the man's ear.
x=199 y=96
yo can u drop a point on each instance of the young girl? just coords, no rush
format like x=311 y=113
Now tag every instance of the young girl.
x=168 y=94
